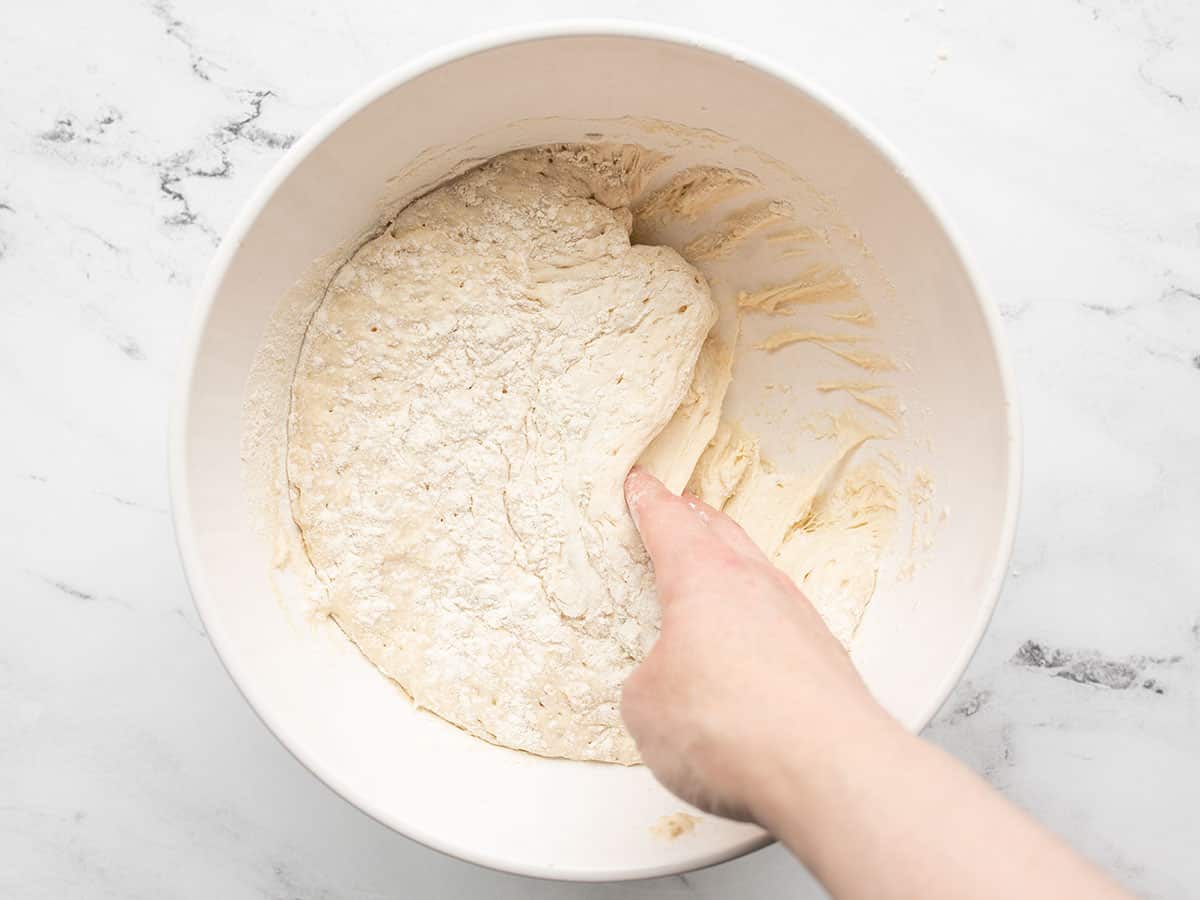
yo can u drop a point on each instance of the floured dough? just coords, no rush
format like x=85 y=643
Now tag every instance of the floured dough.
x=468 y=400
x=478 y=381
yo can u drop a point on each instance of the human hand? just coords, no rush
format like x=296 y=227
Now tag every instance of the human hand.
x=745 y=681
x=749 y=708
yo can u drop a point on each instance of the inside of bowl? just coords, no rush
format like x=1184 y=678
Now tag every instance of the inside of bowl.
x=355 y=729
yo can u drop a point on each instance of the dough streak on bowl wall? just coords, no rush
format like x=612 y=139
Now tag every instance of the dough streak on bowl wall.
x=479 y=377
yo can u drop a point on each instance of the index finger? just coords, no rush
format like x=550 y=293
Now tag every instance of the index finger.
x=675 y=532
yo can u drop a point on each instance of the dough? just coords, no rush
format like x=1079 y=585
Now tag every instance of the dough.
x=474 y=388
x=827 y=530
x=673 y=454
x=467 y=402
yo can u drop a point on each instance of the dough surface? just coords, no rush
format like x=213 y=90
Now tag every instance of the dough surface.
x=466 y=404
x=479 y=378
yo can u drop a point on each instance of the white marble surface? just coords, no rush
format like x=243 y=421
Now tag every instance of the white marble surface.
x=1064 y=138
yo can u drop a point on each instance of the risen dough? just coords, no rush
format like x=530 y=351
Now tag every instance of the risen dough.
x=467 y=402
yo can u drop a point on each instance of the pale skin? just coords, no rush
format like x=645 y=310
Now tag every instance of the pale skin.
x=749 y=708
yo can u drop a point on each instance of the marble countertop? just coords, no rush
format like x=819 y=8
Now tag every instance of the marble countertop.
x=1063 y=137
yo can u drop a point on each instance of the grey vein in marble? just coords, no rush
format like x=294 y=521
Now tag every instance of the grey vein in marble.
x=1093 y=668
x=174 y=169
x=175 y=29
x=1062 y=137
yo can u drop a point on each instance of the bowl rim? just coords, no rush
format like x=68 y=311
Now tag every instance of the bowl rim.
x=177 y=449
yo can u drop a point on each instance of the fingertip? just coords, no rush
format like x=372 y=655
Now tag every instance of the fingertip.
x=639 y=483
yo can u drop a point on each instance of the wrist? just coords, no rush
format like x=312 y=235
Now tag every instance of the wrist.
x=818 y=765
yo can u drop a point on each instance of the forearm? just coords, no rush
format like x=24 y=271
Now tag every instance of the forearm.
x=884 y=814
x=749 y=707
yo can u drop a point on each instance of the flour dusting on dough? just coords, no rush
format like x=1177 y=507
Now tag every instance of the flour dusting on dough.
x=467 y=403
x=478 y=380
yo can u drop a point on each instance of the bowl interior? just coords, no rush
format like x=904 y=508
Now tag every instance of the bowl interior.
x=352 y=727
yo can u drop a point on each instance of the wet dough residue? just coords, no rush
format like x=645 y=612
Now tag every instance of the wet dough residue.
x=817 y=284
x=828 y=529
x=870 y=360
x=674 y=826
x=736 y=229
x=692 y=193
x=872 y=395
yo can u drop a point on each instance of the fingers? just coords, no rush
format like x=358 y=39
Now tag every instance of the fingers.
x=725 y=528
x=642 y=490
x=675 y=536
x=681 y=533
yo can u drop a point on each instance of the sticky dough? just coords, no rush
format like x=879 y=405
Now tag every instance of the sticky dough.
x=467 y=403
x=468 y=399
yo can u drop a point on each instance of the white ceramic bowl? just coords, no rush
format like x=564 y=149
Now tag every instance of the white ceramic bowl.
x=329 y=707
